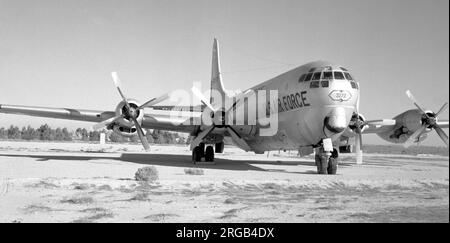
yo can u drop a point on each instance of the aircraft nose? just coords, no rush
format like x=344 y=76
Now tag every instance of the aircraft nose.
x=335 y=121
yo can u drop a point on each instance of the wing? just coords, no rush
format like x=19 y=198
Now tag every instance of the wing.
x=164 y=120
x=443 y=124
x=378 y=126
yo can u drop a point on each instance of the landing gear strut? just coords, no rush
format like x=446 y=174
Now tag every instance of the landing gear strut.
x=199 y=152
x=326 y=162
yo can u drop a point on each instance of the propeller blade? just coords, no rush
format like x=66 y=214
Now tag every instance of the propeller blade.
x=444 y=107
x=104 y=123
x=141 y=134
x=441 y=134
x=382 y=122
x=411 y=97
x=358 y=148
x=118 y=85
x=238 y=139
x=414 y=136
x=155 y=101
x=202 y=98
x=197 y=140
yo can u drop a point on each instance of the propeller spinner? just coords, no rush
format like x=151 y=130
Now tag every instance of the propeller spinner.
x=429 y=120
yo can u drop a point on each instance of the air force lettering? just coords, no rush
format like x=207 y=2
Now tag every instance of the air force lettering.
x=292 y=101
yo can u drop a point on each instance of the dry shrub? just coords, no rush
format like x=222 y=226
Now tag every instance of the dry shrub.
x=148 y=173
x=78 y=200
x=193 y=171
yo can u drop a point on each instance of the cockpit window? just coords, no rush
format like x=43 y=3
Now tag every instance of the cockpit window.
x=316 y=76
x=338 y=75
x=354 y=85
x=348 y=76
x=327 y=75
x=314 y=84
x=302 y=78
x=308 y=77
x=325 y=84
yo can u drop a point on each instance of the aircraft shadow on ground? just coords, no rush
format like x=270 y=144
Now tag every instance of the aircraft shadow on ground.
x=178 y=161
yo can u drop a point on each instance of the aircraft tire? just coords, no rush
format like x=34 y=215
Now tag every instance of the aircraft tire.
x=322 y=164
x=333 y=163
x=209 y=154
x=219 y=147
x=197 y=154
x=332 y=166
x=202 y=150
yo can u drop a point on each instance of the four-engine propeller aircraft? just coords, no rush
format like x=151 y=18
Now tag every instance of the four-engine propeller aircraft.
x=316 y=108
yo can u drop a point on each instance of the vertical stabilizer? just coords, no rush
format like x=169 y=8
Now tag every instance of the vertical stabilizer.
x=216 y=76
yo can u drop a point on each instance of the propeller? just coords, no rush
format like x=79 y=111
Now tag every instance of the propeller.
x=428 y=121
x=130 y=112
x=358 y=138
x=234 y=135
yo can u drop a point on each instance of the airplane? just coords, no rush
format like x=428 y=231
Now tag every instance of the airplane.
x=317 y=111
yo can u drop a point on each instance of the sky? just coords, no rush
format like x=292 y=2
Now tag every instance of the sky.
x=60 y=53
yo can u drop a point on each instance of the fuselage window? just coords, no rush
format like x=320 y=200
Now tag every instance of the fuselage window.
x=302 y=78
x=338 y=75
x=348 y=76
x=308 y=77
x=314 y=84
x=327 y=75
x=325 y=84
x=316 y=76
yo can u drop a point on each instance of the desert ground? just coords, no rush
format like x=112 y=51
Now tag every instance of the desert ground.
x=77 y=182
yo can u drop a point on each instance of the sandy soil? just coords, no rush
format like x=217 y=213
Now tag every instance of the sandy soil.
x=70 y=182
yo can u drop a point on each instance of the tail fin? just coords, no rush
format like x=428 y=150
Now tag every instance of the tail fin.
x=216 y=76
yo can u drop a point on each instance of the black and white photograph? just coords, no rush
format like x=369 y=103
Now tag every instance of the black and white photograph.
x=224 y=111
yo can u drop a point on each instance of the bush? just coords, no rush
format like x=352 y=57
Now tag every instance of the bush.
x=149 y=173
x=193 y=171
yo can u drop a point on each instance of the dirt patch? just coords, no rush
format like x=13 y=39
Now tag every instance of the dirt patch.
x=193 y=171
x=78 y=200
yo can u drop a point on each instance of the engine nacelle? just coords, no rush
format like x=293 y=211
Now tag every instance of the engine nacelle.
x=350 y=131
x=124 y=126
x=406 y=124
x=124 y=131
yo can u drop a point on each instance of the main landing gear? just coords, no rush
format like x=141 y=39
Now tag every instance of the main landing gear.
x=326 y=162
x=207 y=152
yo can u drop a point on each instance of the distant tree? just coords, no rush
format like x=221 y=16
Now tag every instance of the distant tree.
x=116 y=138
x=14 y=132
x=149 y=136
x=29 y=133
x=134 y=139
x=45 y=133
x=156 y=134
x=59 y=136
x=94 y=136
x=3 y=133
x=181 y=140
x=150 y=139
x=189 y=140
x=67 y=136
x=82 y=134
